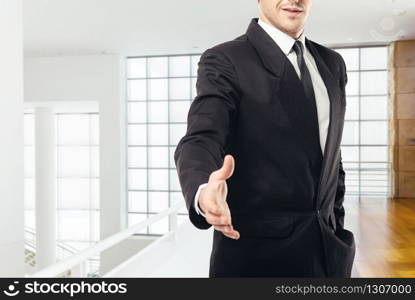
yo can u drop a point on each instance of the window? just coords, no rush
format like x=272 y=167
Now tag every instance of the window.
x=159 y=92
x=366 y=130
x=77 y=177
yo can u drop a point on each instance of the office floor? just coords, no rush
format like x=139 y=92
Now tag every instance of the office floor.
x=385 y=236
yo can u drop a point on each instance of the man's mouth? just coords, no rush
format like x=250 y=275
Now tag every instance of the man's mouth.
x=293 y=10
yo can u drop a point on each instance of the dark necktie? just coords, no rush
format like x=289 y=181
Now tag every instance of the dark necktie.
x=310 y=103
x=305 y=73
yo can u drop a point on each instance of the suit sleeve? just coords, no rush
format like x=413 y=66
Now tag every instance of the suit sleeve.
x=341 y=188
x=202 y=149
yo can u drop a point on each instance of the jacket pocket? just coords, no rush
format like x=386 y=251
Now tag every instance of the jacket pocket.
x=341 y=250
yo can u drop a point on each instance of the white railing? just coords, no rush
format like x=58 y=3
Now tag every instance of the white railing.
x=75 y=264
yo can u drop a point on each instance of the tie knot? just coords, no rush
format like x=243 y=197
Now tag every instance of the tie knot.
x=298 y=48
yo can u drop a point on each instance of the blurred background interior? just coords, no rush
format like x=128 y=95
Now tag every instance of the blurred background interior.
x=99 y=92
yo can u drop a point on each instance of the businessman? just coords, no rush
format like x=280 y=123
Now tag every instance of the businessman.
x=261 y=160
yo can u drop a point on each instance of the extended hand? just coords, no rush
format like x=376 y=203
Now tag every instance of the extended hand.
x=212 y=199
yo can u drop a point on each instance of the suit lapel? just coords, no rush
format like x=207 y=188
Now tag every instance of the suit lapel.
x=333 y=134
x=272 y=57
x=288 y=86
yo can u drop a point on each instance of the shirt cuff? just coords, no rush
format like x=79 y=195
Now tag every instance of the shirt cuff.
x=197 y=208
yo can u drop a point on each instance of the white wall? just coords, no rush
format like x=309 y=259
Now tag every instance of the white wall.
x=100 y=78
x=73 y=78
x=11 y=136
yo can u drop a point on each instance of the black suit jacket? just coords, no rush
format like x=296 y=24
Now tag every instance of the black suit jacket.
x=285 y=196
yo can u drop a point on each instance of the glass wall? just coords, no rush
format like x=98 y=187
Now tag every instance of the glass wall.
x=365 y=135
x=77 y=177
x=159 y=92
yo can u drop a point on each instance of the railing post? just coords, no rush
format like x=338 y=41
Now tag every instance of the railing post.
x=173 y=222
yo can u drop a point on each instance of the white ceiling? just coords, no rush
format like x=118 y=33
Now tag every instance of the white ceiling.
x=144 y=27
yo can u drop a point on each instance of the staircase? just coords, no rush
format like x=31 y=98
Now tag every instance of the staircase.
x=63 y=251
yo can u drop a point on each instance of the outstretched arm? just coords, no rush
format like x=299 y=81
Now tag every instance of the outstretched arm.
x=202 y=150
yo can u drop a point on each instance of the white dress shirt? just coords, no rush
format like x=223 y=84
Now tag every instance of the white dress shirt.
x=286 y=42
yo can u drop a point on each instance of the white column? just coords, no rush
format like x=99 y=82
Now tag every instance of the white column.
x=45 y=187
x=11 y=137
x=112 y=162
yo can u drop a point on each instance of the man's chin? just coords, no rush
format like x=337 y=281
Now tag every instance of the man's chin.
x=292 y=29
x=294 y=26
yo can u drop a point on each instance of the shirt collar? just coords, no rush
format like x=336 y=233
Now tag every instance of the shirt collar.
x=283 y=40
